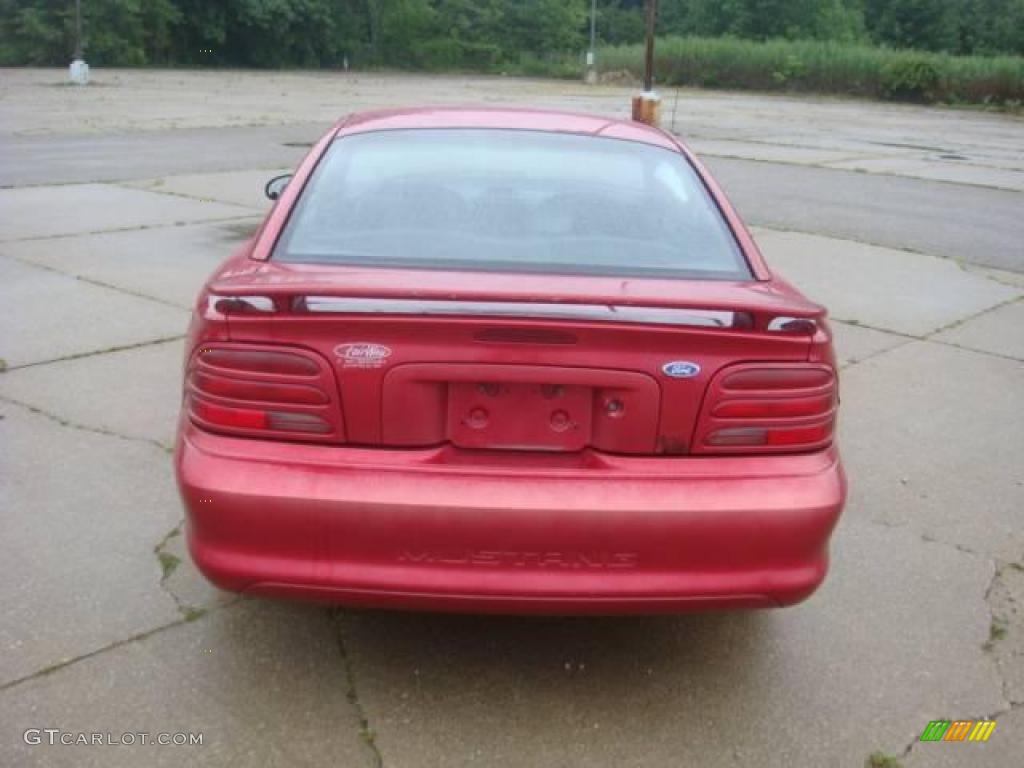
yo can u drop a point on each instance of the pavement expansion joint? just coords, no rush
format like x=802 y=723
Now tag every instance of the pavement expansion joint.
x=61 y=421
x=137 y=228
x=100 y=283
x=159 y=190
x=185 y=619
x=94 y=353
x=1000 y=627
x=366 y=732
x=169 y=563
x=960 y=321
x=876 y=353
x=91 y=654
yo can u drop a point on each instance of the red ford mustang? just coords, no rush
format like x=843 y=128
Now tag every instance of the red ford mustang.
x=507 y=361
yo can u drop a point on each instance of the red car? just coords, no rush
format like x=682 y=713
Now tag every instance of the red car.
x=507 y=361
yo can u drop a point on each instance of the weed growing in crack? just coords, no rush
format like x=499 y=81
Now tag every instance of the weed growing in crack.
x=191 y=613
x=882 y=760
x=996 y=632
x=168 y=563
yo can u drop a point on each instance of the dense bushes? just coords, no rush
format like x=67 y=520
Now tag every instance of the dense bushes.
x=473 y=34
x=822 y=46
x=828 y=67
x=414 y=34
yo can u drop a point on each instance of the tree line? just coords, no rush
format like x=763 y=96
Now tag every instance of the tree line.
x=483 y=35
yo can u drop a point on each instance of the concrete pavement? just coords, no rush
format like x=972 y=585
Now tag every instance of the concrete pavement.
x=975 y=224
x=107 y=627
x=940 y=181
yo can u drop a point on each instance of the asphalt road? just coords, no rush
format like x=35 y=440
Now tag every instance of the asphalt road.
x=975 y=224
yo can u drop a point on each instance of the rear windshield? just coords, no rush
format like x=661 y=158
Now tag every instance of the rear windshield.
x=510 y=200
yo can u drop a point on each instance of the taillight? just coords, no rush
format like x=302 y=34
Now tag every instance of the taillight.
x=256 y=391
x=242 y=305
x=768 y=408
x=259 y=361
x=801 y=325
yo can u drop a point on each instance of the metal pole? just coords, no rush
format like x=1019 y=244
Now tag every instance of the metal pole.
x=590 y=73
x=78 y=29
x=593 y=28
x=652 y=12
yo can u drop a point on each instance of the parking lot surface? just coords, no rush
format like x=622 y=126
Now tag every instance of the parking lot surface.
x=118 y=199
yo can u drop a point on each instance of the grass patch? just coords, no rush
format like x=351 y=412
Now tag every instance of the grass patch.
x=824 y=67
x=882 y=760
x=192 y=613
x=168 y=563
x=996 y=631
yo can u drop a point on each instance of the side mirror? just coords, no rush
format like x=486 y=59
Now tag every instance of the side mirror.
x=276 y=186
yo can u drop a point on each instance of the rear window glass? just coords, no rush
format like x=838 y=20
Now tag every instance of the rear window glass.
x=510 y=200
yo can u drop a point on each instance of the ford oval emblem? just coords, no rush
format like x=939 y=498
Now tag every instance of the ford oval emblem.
x=680 y=369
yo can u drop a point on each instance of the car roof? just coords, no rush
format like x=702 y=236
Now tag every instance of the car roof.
x=504 y=118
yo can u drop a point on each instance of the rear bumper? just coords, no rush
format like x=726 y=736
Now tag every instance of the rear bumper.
x=438 y=529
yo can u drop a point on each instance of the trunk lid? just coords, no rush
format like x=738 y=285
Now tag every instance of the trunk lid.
x=552 y=363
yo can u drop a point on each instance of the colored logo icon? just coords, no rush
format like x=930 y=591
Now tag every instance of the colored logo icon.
x=958 y=730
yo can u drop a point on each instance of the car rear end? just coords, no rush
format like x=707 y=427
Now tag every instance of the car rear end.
x=484 y=390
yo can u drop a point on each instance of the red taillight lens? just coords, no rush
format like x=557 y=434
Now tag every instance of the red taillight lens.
x=777 y=378
x=768 y=408
x=762 y=409
x=770 y=436
x=218 y=415
x=240 y=389
x=263 y=392
x=259 y=361
x=801 y=435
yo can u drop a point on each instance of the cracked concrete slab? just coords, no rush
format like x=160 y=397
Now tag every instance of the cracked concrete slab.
x=49 y=316
x=1006 y=635
x=79 y=208
x=82 y=512
x=884 y=288
x=262 y=682
x=236 y=187
x=935 y=168
x=190 y=590
x=132 y=392
x=933 y=437
x=170 y=263
x=1000 y=331
x=893 y=638
x=999 y=275
x=770 y=153
x=853 y=343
